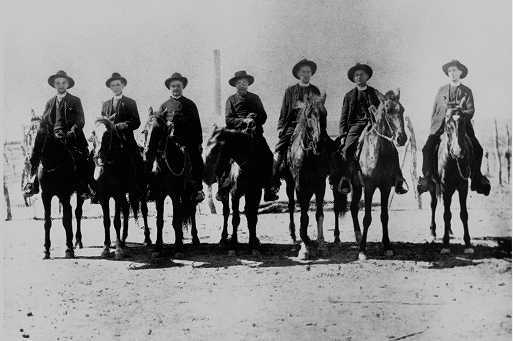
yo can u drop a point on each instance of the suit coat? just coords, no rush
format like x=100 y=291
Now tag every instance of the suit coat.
x=183 y=112
x=240 y=107
x=73 y=117
x=350 y=110
x=126 y=112
x=440 y=106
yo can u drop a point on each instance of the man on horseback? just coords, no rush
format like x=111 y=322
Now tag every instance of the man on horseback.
x=453 y=99
x=293 y=102
x=183 y=114
x=357 y=113
x=122 y=112
x=245 y=112
x=62 y=120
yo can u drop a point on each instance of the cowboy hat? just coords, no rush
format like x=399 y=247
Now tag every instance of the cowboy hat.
x=61 y=74
x=301 y=63
x=176 y=77
x=115 y=77
x=366 y=68
x=240 y=75
x=454 y=62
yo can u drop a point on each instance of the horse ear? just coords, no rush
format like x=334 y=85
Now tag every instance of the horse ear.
x=397 y=93
x=323 y=97
x=380 y=96
x=150 y=111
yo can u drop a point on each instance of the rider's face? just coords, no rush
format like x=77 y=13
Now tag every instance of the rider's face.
x=176 y=88
x=304 y=73
x=453 y=73
x=116 y=87
x=61 y=85
x=242 y=85
x=360 y=77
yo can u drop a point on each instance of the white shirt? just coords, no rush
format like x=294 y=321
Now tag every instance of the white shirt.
x=361 y=88
x=455 y=84
x=303 y=84
x=60 y=97
x=175 y=97
x=115 y=100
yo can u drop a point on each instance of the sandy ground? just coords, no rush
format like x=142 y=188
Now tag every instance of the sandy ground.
x=414 y=295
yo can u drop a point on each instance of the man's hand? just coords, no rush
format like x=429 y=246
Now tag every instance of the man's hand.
x=342 y=141
x=70 y=135
x=121 y=125
x=248 y=121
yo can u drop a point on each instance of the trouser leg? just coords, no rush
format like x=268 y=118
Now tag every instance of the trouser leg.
x=428 y=155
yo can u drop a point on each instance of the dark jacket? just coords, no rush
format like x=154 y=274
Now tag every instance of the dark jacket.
x=126 y=112
x=185 y=117
x=351 y=112
x=240 y=107
x=440 y=105
x=73 y=114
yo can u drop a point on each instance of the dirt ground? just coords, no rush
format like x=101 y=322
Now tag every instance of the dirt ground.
x=414 y=295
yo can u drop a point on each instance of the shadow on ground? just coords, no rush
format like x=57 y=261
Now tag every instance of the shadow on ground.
x=282 y=255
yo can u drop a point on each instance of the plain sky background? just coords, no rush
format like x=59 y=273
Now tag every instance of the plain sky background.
x=405 y=41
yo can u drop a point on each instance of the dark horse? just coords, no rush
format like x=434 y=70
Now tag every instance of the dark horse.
x=57 y=177
x=379 y=162
x=308 y=166
x=452 y=175
x=227 y=146
x=171 y=177
x=112 y=180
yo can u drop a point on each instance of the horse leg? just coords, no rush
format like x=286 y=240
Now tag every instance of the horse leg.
x=106 y=226
x=67 y=217
x=434 y=201
x=463 y=192
x=336 y=213
x=159 y=206
x=306 y=243
x=355 y=208
x=251 y=210
x=117 y=227
x=125 y=207
x=226 y=215
x=447 y=196
x=233 y=243
x=194 y=229
x=134 y=204
x=177 y=226
x=367 y=219
x=385 y=193
x=292 y=207
x=144 y=213
x=47 y=204
x=319 y=216
x=78 y=219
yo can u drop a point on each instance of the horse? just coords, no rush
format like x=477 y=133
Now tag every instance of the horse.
x=453 y=172
x=171 y=177
x=57 y=177
x=307 y=167
x=111 y=181
x=379 y=166
x=230 y=147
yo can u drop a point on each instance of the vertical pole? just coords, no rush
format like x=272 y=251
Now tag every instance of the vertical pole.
x=508 y=153
x=217 y=84
x=497 y=150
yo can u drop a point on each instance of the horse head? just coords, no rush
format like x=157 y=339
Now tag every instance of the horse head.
x=455 y=135
x=391 y=112
x=309 y=121
x=101 y=138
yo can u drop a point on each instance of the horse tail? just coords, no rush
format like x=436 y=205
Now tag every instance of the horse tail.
x=340 y=202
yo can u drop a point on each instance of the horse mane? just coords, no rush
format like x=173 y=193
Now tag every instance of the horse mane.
x=104 y=121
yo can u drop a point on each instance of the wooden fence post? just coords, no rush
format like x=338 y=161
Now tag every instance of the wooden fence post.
x=508 y=153
x=498 y=152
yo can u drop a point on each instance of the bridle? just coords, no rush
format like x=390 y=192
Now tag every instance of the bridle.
x=182 y=149
x=456 y=159
x=391 y=138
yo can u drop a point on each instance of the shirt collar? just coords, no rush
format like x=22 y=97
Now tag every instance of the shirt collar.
x=173 y=97
x=117 y=98
x=458 y=83
x=362 y=88
x=61 y=96
x=303 y=84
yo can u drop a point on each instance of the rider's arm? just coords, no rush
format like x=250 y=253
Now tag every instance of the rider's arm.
x=344 y=117
x=260 y=111
x=284 y=110
x=468 y=106
x=198 y=132
x=79 y=122
x=133 y=122
x=232 y=121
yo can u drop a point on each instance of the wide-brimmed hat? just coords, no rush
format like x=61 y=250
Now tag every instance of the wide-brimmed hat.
x=358 y=66
x=301 y=63
x=454 y=62
x=240 y=75
x=61 y=74
x=115 y=77
x=176 y=77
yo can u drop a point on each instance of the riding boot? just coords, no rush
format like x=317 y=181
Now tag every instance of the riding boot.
x=281 y=156
x=401 y=187
x=32 y=186
x=479 y=183
x=426 y=183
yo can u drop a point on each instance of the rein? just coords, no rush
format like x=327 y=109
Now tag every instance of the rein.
x=166 y=161
x=388 y=138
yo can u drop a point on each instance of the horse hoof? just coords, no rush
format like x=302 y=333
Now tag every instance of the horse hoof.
x=147 y=242
x=431 y=239
x=69 y=254
x=179 y=255
x=232 y=253
x=105 y=253
x=119 y=253
x=389 y=253
x=469 y=251
x=304 y=252
x=196 y=241
x=323 y=251
x=362 y=256
x=255 y=253
x=46 y=255
x=337 y=242
x=445 y=251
